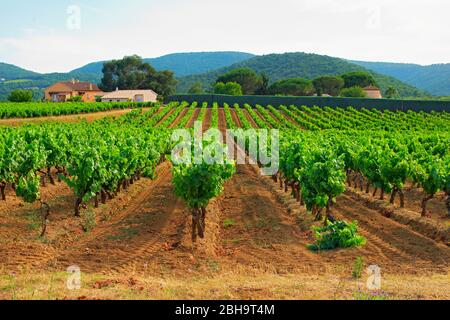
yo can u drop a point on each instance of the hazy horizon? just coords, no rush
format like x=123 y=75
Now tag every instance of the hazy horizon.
x=48 y=37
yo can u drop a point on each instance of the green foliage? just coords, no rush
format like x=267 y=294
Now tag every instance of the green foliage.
x=370 y=296
x=249 y=81
x=358 y=266
x=292 y=87
x=197 y=184
x=434 y=79
x=322 y=177
x=353 y=92
x=132 y=73
x=292 y=65
x=340 y=234
x=229 y=88
x=330 y=85
x=228 y=223
x=75 y=99
x=88 y=220
x=392 y=93
x=358 y=79
x=43 y=109
x=21 y=96
x=196 y=88
x=28 y=188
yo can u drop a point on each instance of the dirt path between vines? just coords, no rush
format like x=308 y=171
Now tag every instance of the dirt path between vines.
x=134 y=240
x=179 y=118
x=193 y=119
x=208 y=119
x=250 y=119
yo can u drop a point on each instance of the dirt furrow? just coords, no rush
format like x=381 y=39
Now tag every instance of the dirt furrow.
x=178 y=119
x=398 y=242
x=132 y=238
x=193 y=119
x=249 y=118
x=208 y=119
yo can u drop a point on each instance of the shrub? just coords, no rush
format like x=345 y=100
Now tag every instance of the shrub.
x=21 y=96
x=328 y=85
x=358 y=79
x=353 y=92
x=229 y=88
x=248 y=79
x=292 y=87
x=75 y=99
x=339 y=234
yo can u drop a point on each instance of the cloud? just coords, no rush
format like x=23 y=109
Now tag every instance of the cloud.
x=398 y=31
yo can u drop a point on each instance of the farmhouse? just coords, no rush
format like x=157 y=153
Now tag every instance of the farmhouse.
x=62 y=91
x=130 y=95
x=373 y=92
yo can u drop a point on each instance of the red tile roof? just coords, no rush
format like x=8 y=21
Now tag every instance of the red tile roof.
x=81 y=86
x=372 y=88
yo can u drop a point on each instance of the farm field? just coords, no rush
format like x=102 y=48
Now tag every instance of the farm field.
x=132 y=238
x=89 y=117
x=11 y=110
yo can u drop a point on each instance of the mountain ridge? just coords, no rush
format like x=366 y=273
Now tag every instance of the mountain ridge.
x=434 y=78
x=297 y=64
x=198 y=62
x=207 y=65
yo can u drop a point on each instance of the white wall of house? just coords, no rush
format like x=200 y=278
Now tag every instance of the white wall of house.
x=130 y=95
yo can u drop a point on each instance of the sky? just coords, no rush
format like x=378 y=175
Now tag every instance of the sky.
x=61 y=35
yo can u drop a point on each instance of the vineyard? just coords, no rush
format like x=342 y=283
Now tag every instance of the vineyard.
x=44 y=109
x=109 y=196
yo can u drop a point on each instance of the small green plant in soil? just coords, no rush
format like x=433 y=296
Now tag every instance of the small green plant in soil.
x=370 y=296
x=34 y=221
x=358 y=268
x=88 y=220
x=340 y=234
x=228 y=223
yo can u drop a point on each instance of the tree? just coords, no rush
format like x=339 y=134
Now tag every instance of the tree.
x=353 y=92
x=249 y=80
x=392 y=93
x=132 y=73
x=328 y=85
x=196 y=88
x=21 y=96
x=292 y=87
x=264 y=89
x=358 y=79
x=229 y=88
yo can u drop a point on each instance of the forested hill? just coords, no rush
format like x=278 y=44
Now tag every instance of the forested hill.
x=290 y=65
x=13 y=77
x=433 y=78
x=9 y=71
x=183 y=64
x=205 y=67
